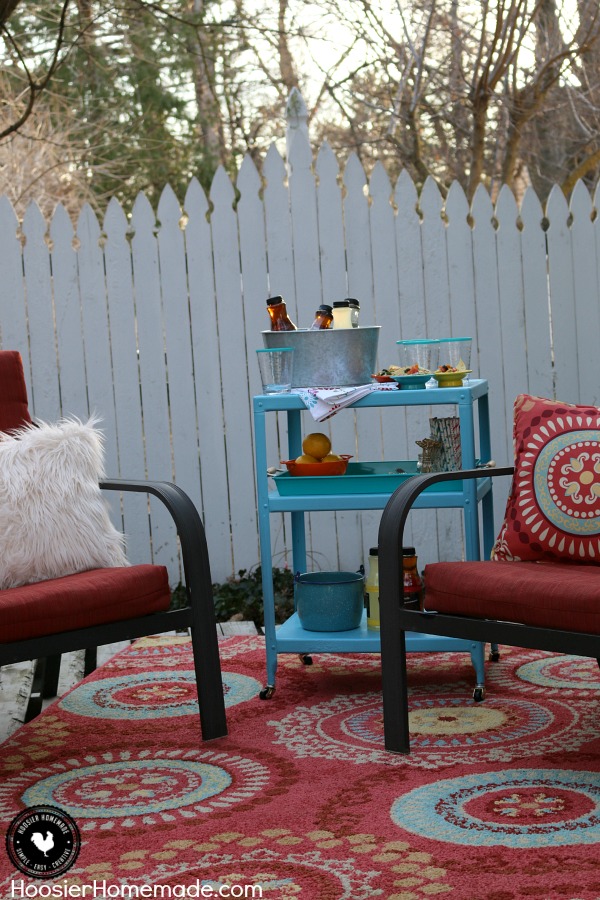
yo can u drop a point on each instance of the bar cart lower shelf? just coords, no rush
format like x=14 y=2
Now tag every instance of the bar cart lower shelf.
x=293 y=638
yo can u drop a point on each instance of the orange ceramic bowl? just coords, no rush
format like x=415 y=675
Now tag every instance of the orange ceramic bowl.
x=336 y=467
x=382 y=379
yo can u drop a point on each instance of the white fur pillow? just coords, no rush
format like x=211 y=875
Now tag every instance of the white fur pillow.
x=53 y=519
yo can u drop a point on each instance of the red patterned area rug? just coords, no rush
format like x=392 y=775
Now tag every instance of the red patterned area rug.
x=498 y=800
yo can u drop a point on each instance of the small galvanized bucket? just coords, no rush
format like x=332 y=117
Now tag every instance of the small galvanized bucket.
x=330 y=601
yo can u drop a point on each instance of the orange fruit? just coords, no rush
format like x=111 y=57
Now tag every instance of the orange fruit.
x=307 y=458
x=316 y=444
x=332 y=457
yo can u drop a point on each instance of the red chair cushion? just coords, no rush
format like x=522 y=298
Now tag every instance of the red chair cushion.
x=551 y=595
x=95 y=597
x=14 y=412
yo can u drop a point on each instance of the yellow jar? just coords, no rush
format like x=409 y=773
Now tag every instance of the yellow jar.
x=372 y=589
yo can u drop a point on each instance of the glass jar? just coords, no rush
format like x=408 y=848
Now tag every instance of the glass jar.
x=413 y=583
x=354 y=311
x=342 y=314
x=372 y=589
x=323 y=318
x=277 y=309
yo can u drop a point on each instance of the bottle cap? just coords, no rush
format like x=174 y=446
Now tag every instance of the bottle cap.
x=273 y=301
x=408 y=551
x=339 y=304
x=323 y=308
x=374 y=551
x=353 y=303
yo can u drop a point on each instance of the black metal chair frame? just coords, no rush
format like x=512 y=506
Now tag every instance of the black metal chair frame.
x=396 y=621
x=198 y=616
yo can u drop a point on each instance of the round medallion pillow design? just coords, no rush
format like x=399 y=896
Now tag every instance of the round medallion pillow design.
x=553 y=511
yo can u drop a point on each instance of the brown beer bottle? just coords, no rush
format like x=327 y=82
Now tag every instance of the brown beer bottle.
x=280 y=321
x=323 y=318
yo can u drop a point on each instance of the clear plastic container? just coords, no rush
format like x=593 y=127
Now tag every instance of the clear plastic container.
x=423 y=353
x=455 y=352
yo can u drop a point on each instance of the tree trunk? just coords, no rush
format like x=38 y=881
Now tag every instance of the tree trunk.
x=210 y=121
x=286 y=62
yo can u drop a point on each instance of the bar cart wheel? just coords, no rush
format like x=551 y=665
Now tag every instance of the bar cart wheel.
x=267 y=692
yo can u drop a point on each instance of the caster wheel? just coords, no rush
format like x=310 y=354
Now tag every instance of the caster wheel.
x=479 y=694
x=494 y=656
x=267 y=692
x=306 y=659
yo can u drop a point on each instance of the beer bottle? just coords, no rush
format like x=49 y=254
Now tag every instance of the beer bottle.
x=323 y=318
x=280 y=321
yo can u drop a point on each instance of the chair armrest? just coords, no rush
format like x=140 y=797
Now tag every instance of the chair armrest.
x=393 y=519
x=391 y=534
x=194 y=550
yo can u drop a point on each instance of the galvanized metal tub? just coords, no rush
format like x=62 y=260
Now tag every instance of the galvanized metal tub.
x=329 y=601
x=329 y=358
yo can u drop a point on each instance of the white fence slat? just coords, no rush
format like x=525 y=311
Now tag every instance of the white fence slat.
x=540 y=378
x=178 y=345
x=238 y=428
x=562 y=301
x=253 y=258
x=411 y=326
x=359 y=263
x=207 y=376
x=96 y=337
x=596 y=225
x=278 y=224
x=331 y=227
x=153 y=378
x=489 y=335
x=334 y=279
x=435 y=262
x=119 y=289
x=410 y=260
x=305 y=231
x=510 y=293
x=13 y=311
x=585 y=275
x=45 y=394
x=67 y=310
x=321 y=537
x=459 y=244
x=437 y=317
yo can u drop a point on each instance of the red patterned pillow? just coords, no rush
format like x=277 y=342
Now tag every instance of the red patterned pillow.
x=553 y=510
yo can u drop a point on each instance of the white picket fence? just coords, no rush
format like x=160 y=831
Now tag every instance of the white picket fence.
x=152 y=321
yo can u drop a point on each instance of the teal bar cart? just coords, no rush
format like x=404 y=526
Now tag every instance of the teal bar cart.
x=370 y=490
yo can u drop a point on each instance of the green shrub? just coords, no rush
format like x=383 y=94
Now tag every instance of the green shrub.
x=241 y=595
